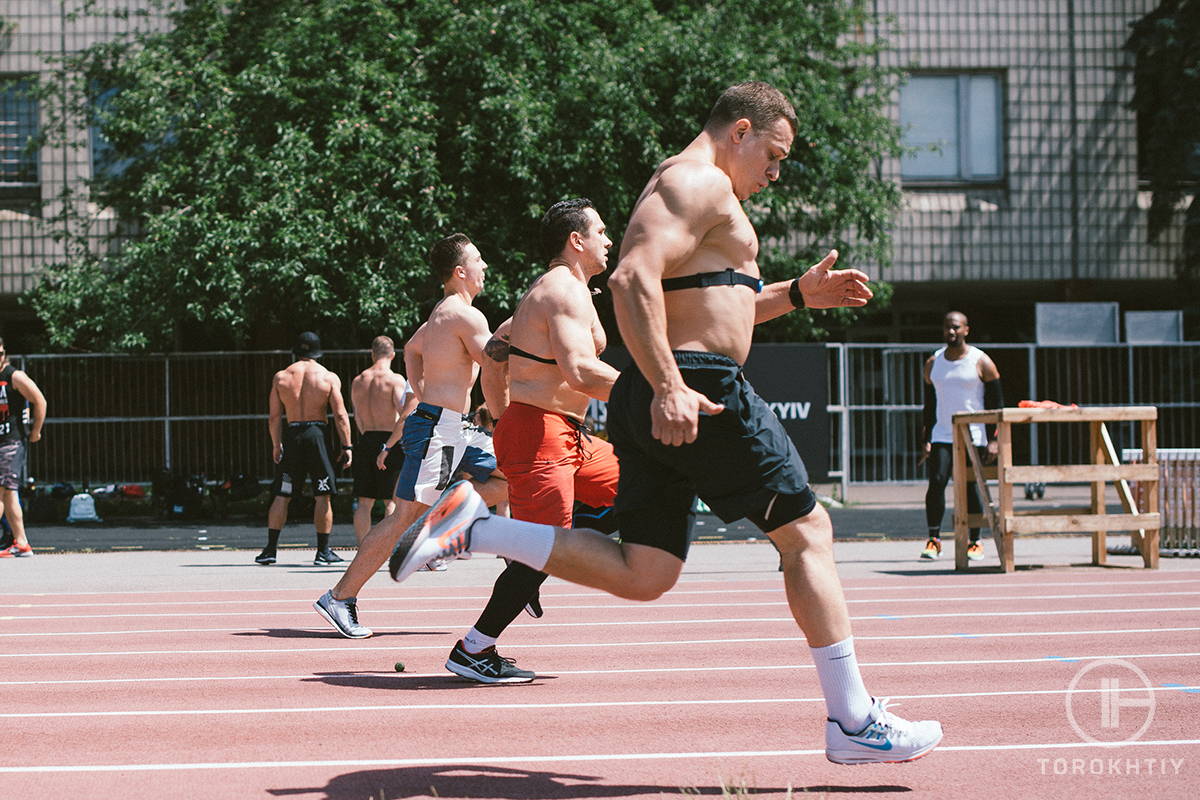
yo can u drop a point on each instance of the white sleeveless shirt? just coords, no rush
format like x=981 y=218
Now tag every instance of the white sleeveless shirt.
x=959 y=388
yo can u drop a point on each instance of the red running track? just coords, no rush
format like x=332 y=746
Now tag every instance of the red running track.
x=170 y=695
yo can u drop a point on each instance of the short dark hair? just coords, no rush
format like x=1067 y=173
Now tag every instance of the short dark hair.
x=382 y=347
x=446 y=254
x=759 y=102
x=560 y=221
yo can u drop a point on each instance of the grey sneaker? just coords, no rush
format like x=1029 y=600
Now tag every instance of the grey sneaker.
x=444 y=531
x=343 y=615
x=486 y=667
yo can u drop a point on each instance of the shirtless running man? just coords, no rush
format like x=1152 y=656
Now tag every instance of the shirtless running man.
x=305 y=393
x=684 y=420
x=438 y=438
x=377 y=395
x=542 y=444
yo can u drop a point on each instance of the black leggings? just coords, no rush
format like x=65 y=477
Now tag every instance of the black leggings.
x=515 y=587
x=938 y=469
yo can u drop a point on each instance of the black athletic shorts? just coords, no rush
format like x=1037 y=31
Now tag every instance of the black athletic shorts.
x=304 y=456
x=369 y=480
x=740 y=461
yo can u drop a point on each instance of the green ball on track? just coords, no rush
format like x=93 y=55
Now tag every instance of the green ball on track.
x=399 y=666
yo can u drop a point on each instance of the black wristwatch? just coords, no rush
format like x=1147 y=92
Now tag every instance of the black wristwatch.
x=795 y=295
x=347 y=447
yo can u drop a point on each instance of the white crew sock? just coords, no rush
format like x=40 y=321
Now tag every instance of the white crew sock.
x=475 y=642
x=527 y=542
x=846 y=698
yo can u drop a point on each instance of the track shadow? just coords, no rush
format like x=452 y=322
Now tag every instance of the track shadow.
x=392 y=681
x=481 y=781
x=300 y=633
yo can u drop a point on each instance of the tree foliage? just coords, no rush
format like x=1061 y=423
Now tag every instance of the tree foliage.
x=287 y=163
x=1166 y=43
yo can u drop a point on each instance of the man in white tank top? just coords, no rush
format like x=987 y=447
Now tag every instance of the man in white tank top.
x=958 y=377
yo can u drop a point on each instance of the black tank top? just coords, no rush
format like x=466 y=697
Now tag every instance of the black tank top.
x=12 y=407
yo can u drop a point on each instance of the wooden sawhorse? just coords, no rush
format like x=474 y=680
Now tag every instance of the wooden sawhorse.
x=1104 y=467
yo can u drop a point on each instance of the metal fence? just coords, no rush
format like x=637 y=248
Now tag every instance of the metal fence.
x=876 y=397
x=116 y=418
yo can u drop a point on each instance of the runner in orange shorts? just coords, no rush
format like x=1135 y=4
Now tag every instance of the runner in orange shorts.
x=542 y=443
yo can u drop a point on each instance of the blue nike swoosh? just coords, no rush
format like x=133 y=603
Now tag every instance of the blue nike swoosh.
x=884 y=746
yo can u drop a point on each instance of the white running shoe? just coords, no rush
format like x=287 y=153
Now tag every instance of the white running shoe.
x=887 y=739
x=342 y=614
x=444 y=531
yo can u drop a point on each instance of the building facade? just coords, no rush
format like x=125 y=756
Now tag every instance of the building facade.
x=1025 y=188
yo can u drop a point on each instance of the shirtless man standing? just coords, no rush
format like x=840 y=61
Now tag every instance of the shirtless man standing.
x=542 y=444
x=684 y=420
x=305 y=393
x=377 y=395
x=438 y=438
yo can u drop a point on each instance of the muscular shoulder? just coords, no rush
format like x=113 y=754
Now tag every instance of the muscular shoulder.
x=693 y=185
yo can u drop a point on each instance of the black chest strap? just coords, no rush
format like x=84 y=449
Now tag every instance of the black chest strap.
x=725 y=277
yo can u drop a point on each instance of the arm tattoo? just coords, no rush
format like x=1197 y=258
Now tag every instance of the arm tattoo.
x=496 y=349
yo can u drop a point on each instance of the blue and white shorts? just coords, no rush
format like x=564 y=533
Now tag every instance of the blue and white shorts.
x=439 y=443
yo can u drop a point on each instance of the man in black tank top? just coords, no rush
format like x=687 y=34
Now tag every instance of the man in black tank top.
x=20 y=398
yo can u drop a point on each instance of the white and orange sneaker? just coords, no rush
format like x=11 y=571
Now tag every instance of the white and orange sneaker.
x=16 y=551
x=886 y=739
x=444 y=531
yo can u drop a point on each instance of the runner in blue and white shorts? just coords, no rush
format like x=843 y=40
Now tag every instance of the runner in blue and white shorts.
x=439 y=444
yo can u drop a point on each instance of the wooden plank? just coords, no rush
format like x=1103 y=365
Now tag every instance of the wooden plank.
x=1096 y=447
x=1083 y=473
x=1138 y=537
x=1002 y=535
x=989 y=508
x=959 y=474
x=1054 y=511
x=991 y=472
x=1082 y=523
x=1150 y=456
x=1085 y=414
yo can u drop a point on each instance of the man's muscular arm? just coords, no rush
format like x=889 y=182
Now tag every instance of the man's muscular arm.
x=572 y=345
x=666 y=228
x=819 y=287
x=341 y=419
x=493 y=376
x=275 y=420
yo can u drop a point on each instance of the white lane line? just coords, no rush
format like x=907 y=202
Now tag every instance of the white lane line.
x=478 y=761
x=364 y=645
x=991 y=614
x=479 y=708
x=940 y=599
x=1018 y=582
x=625 y=671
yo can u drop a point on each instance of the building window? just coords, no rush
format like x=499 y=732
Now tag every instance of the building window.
x=18 y=124
x=104 y=163
x=955 y=122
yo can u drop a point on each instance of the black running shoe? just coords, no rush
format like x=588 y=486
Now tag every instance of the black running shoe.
x=486 y=667
x=534 y=607
x=326 y=556
x=266 y=557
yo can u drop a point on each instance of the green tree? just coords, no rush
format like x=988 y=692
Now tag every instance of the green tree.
x=1166 y=97
x=287 y=163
